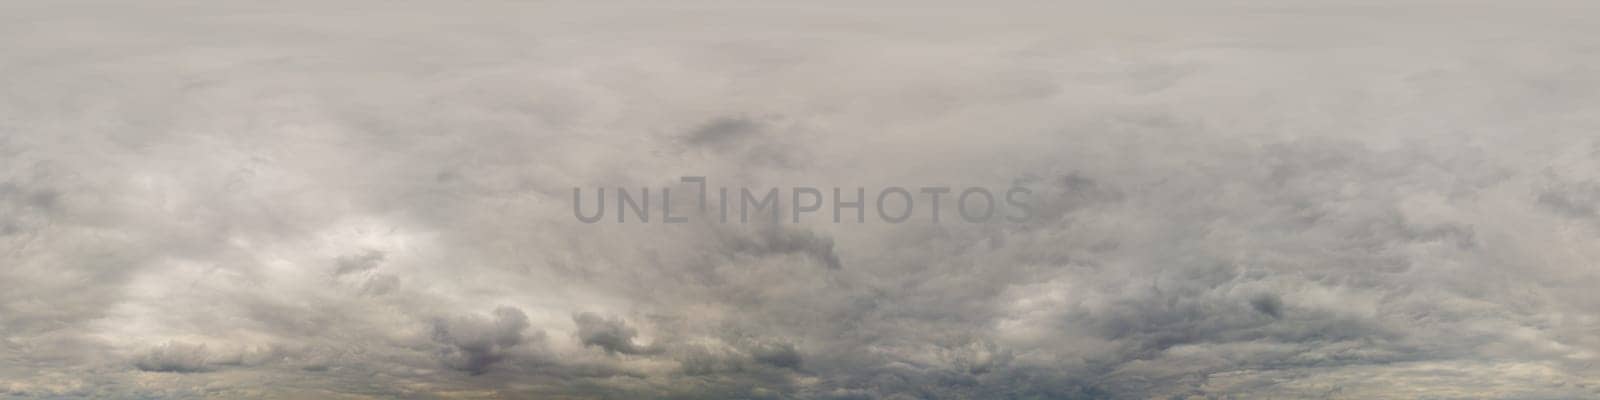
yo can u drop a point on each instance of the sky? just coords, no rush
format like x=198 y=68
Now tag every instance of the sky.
x=374 y=200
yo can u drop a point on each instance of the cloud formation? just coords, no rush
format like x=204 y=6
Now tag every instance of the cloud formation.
x=1243 y=199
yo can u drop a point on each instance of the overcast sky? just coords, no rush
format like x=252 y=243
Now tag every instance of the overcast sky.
x=1234 y=199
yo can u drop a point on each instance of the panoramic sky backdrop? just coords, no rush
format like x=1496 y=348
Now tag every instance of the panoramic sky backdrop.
x=1233 y=199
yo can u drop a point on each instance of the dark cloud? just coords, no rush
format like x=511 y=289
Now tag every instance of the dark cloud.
x=1267 y=304
x=610 y=334
x=781 y=355
x=722 y=131
x=749 y=142
x=475 y=343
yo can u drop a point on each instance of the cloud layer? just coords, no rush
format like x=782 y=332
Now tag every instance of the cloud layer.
x=1244 y=199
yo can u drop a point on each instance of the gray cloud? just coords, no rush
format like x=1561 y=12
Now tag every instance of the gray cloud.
x=475 y=343
x=1232 y=200
x=781 y=355
x=174 y=357
x=722 y=131
x=609 y=334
